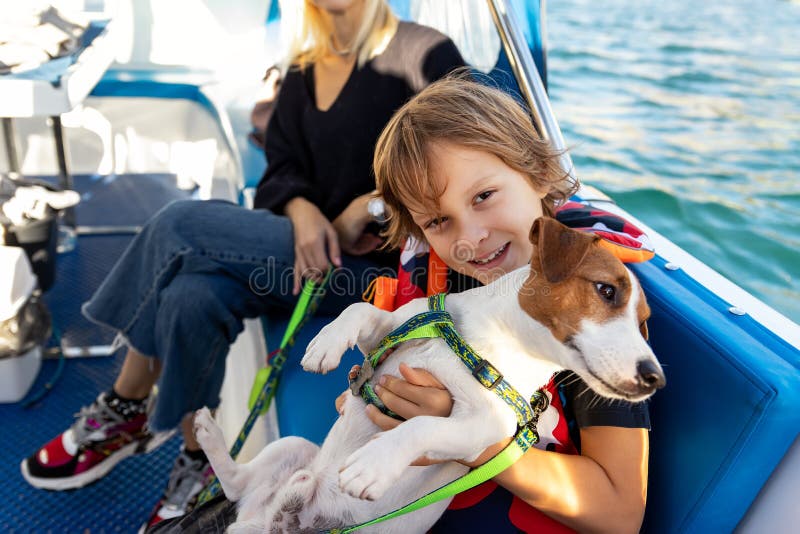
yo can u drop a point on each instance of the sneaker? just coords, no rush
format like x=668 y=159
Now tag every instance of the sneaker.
x=90 y=448
x=188 y=478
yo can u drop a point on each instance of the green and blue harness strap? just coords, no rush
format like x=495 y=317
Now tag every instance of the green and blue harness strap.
x=436 y=322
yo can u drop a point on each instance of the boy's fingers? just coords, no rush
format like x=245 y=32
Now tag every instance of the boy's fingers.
x=318 y=264
x=427 y=400
x=424 y=461
x=399 y=405
x=340 y=401
x=383 y=421
x=298 y=275
x=419 y=377
x=402 y=389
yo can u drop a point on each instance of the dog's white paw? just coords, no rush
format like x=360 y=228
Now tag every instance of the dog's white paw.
x=325 y=351
x=207 y=431
x=371 y=470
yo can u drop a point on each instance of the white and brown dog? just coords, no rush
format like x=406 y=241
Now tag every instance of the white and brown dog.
x=575 y=307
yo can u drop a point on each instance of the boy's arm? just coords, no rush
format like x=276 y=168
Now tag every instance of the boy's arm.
x=604 y=489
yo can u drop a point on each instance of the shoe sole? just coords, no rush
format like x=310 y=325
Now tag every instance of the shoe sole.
x=97 y=472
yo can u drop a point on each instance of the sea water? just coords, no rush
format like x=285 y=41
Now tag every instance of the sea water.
x=688 y=115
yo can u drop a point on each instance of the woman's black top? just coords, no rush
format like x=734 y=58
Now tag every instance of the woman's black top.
x=326 y=156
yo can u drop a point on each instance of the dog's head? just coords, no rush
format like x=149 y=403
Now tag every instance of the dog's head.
x=595 y=307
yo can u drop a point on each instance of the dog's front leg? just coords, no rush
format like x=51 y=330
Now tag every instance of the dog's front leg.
x=360 y=324
x=372 y=469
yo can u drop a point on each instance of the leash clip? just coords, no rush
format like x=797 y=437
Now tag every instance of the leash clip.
x=485 y=365
x=364 y=374
x=541 y=402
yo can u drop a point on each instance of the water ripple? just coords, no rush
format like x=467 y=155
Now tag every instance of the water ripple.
x=689 y=115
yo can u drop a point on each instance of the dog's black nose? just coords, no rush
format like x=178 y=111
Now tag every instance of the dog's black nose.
x=650 y=376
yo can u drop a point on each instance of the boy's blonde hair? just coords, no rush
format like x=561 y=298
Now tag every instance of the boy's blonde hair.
x=309 y=33
x=472 y=115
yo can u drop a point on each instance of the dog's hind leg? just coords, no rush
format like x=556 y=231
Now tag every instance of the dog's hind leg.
x=209 y=436
x=273 y=465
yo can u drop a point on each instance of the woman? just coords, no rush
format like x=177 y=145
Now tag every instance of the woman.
x=179 y=294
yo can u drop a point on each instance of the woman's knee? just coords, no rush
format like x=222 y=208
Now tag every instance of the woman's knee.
x=174 y=215
x=200 y=304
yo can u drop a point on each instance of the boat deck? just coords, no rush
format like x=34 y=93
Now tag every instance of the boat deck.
x=126 y=496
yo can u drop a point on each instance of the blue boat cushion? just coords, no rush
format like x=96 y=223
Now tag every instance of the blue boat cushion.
x=305 y=401
x=728 y=413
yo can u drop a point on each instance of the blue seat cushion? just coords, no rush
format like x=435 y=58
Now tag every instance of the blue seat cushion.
x=729 y=410
x=305 y=401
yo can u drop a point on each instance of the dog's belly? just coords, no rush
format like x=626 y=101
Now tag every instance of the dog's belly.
x=353 y=429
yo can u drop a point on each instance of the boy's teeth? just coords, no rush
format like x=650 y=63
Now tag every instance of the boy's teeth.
x=490 y=258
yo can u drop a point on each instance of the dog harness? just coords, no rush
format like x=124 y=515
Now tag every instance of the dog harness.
x=437 y=322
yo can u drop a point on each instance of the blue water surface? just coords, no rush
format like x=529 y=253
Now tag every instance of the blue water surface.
x=688 y=114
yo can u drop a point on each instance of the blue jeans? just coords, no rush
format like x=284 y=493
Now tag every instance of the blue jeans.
x=182 y=289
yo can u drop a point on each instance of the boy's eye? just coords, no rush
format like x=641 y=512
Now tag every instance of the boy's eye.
x=433 y=223
x=480 y=197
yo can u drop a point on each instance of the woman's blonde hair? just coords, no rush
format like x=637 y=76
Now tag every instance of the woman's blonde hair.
x=469 y=114
x=308 y=31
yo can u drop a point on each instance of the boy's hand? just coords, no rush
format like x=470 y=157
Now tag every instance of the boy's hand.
x=417 y=393
x=316 y=243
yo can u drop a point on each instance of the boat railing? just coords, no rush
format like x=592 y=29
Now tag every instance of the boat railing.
x=528 y=78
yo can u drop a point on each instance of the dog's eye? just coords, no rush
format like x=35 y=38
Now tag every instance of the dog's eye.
x=607 y=291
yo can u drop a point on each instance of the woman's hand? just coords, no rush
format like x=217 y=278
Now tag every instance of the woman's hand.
x=316 y=243
x=350 y=225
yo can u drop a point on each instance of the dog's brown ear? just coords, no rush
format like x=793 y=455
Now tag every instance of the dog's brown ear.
x=561 y=249
x=644 y=330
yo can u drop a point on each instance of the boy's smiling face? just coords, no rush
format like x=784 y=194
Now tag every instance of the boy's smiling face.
x=486 y=213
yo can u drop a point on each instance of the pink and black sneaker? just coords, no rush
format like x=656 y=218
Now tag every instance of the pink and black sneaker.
x=190 y=474
x=105 y=433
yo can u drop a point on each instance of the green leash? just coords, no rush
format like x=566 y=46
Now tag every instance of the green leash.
x=438 y=323
x=266 y=382
x=524 y=440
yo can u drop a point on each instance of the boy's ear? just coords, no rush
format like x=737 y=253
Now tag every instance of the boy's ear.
x=561 y=250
